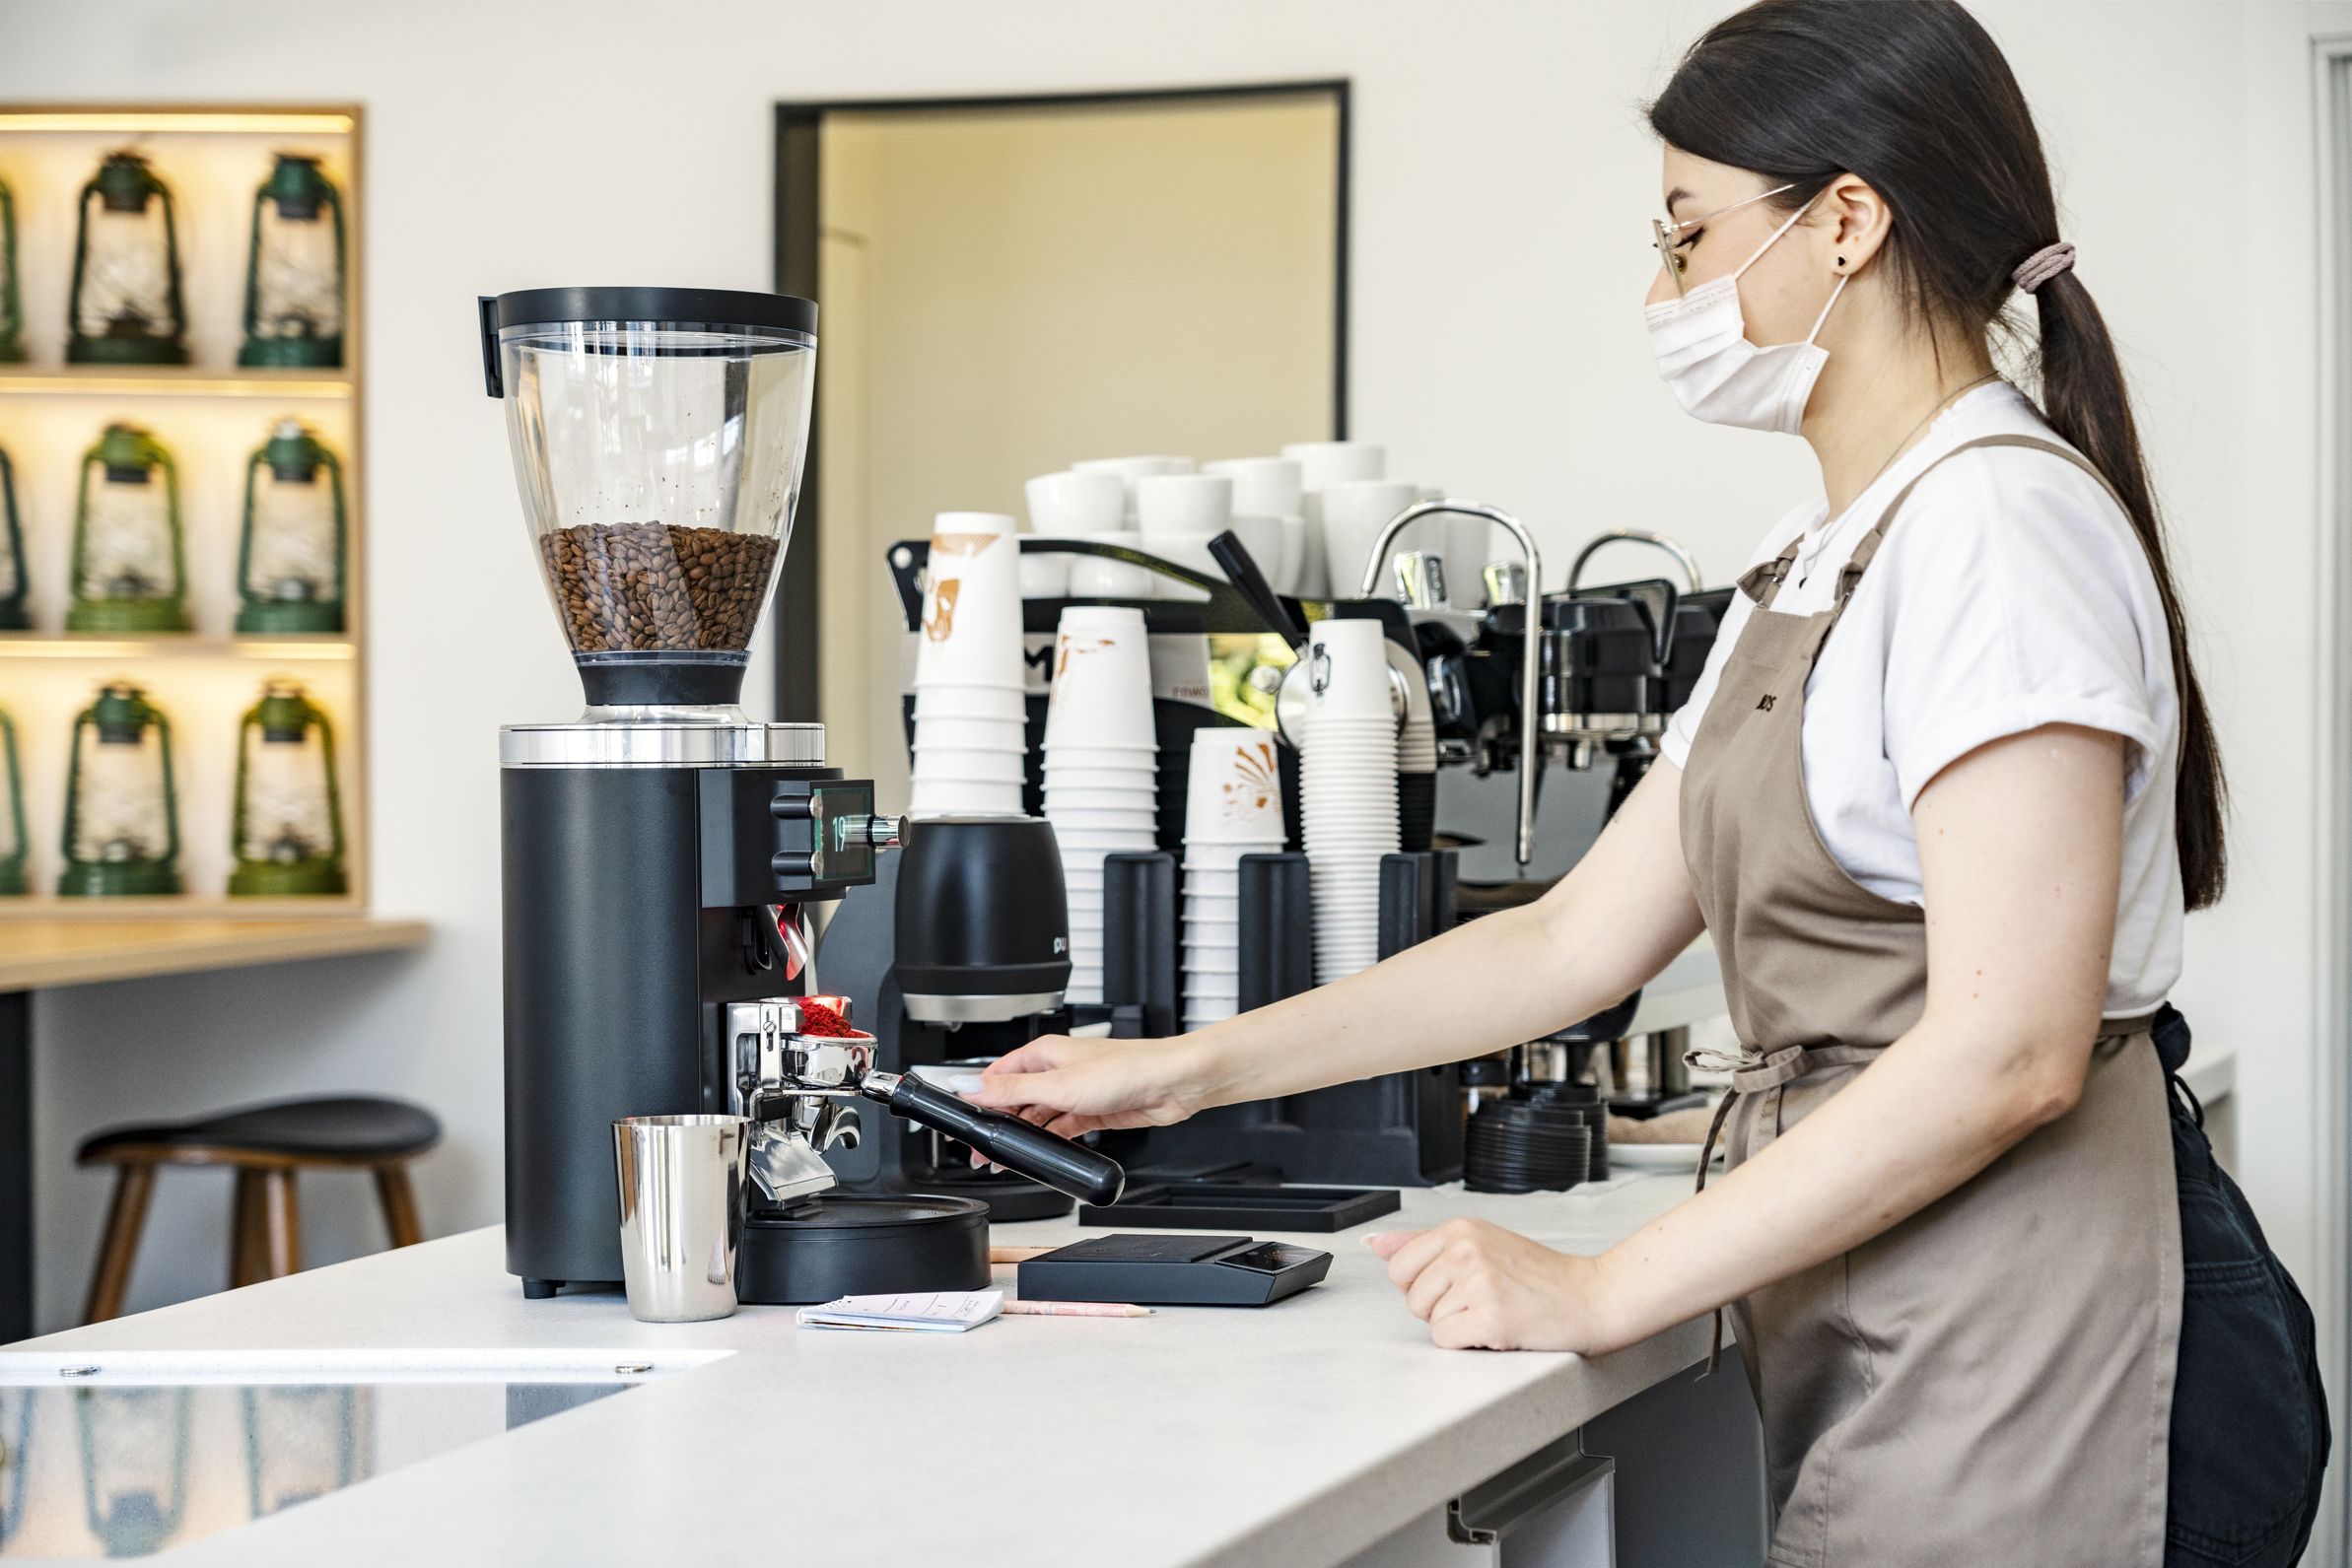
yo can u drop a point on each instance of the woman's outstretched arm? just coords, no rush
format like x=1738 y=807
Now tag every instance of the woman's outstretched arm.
x=1608 y=926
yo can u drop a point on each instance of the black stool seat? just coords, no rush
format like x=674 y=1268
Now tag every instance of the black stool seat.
x=356 y=1128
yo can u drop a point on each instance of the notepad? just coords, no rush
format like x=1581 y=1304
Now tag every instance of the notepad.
x=917 y=1311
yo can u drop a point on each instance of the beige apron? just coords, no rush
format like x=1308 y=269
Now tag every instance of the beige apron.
x=1992 y=1379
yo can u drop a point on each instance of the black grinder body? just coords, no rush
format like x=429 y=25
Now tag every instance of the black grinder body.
x=634 y=911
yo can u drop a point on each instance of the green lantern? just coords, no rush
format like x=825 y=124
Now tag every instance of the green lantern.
x=13 y=617
x=290 y=565
x=294 y=284
x=130 y=563
x=125 y=304
x=121 y=809
x=12 y=299
x=289 y=827
x=12 y=813
x=134 y=1465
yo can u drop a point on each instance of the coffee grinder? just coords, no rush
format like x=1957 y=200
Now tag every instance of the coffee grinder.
x=659 y=853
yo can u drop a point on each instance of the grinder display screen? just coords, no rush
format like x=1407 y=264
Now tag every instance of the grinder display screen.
x=844 y=854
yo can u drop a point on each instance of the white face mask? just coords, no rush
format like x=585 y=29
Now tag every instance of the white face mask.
x=1701 y=344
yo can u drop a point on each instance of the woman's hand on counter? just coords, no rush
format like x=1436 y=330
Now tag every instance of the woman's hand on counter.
x=1480 y=1287
x=1077 y=1086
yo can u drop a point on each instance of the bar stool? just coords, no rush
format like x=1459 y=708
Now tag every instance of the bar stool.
x=267 y=1145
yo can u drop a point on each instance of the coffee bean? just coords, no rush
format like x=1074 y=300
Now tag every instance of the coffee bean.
x=643 y=587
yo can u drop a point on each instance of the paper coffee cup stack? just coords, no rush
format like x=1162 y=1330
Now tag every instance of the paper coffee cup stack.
x=971 y=745
x=1101 y=761
x=1233 y=806
x=1348 y=791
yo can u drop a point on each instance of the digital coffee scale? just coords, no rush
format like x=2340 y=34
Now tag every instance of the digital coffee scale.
x=1169 y=1270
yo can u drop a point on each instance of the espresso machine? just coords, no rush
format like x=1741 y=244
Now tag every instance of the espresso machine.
x=662 y=854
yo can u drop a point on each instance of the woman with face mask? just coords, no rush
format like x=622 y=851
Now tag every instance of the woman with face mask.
x=1942 y=798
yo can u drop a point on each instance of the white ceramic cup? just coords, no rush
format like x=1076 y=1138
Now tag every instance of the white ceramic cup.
x=1263 y=486
x=1076 y=502
x=1045 y=575
x=1324 y=463
x=1102 y=679
x=1094 y=578
x=1233 y=788
x=1353 y=515
x=1130 y=469
x=1183 y=503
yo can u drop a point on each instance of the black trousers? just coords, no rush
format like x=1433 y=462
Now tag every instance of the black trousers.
x=2250 y=1435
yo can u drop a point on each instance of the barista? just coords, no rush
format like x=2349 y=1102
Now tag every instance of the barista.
x=1942 y=799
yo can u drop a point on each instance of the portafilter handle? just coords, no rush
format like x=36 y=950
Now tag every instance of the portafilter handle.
x=1071 y=1169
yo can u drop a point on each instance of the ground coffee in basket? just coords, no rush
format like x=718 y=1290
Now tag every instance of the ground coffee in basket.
x=644 y=585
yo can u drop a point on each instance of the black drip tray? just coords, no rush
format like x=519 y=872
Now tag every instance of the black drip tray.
x=1241 y=1206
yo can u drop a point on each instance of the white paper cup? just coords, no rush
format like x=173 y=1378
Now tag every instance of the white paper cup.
x=950 y=700
x=1088 y=781
x=970 y=628
x=1263 y=486
x=1103 y=840
x=1076 y=502
x=1353 y=515
x=1212 y=905
x=1324 y=463
x=957 y=797
x=1096 y=577
x=1200 y=962
x=1093 y=819
x=1102 y=679
x=978 y=734
x=1137 y=798
x=977 y=767
x=1234 y=786
x=1347 y=675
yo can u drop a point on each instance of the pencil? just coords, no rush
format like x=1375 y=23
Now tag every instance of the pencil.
x=1073 y=1309
x=1016 y=1254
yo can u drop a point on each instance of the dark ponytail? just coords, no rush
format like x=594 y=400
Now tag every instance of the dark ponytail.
x=1913 y=96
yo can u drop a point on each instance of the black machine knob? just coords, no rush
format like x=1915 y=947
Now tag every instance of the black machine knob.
x=1071 y=1169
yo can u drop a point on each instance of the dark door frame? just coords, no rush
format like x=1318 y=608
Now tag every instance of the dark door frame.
x=799 y=200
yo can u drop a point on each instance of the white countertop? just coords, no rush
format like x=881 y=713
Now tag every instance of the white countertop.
x=1294 y=1435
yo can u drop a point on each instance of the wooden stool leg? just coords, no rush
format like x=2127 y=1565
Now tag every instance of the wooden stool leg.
x=249 y=1250
x=284 y=1227
x=399 y=1204
x=124 y=1220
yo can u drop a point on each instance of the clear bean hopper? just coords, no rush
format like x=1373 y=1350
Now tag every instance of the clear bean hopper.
x=657 y=436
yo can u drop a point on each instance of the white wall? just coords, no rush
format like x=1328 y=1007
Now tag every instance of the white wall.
x=1502 y=184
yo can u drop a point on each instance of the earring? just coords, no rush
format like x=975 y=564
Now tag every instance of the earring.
x=1841 y=261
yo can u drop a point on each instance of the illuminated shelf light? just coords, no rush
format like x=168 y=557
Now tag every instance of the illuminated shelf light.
x=34 y=645
x=148 y=381
x=258 y=123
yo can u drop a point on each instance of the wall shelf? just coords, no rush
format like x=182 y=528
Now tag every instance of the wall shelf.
x=168 y=381
x=94 y=646
x=211 y=415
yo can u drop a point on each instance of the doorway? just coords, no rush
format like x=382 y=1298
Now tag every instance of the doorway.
x=1008 y=285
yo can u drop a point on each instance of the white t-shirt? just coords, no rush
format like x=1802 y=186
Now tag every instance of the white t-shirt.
x=2009 y=595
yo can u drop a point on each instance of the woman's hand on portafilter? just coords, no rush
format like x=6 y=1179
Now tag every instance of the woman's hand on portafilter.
x=1078 y=1086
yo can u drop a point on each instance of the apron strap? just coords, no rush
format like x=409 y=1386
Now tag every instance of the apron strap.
x=1761 y=581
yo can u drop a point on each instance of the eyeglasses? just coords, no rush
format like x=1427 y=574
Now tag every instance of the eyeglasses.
x=1668 y=246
